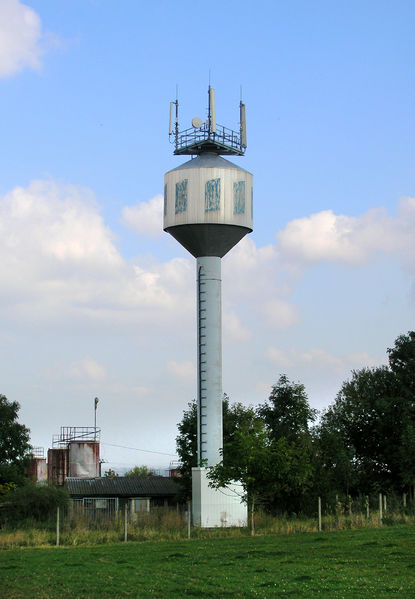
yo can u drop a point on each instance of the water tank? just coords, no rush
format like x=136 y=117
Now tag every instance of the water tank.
x=83 y=459
x=38 y=471
x=208 y=204
x=57 y=465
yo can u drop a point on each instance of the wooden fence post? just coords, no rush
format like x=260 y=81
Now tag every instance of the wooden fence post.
x=189 y=518
x=319 y=514
x=380 y=508
x=367 y=506
x=125 y=523
x=57 y=526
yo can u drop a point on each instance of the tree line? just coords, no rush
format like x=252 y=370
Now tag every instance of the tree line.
x=286 y=454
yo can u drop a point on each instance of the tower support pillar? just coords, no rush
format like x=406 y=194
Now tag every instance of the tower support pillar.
x=209 y=343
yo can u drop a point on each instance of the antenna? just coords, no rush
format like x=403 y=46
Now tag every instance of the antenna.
x=207 y=135
x=243 y=123
x=212 y=109
x=170 y=119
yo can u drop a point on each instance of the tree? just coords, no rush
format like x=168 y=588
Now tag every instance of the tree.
x=33 y=501
x=287 y=416
x=15 y=450
x=370 y=418
x=140 y=471
x=287 y=413
x=186 y=441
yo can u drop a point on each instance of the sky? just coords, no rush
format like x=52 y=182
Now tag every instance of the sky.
x=97 y=301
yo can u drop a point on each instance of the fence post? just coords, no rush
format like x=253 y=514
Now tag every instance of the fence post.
x=367 y=507
x=404 y=499
x=380 y=508
x=125 y=523
x=57 y=526
x=319 y=514
x=189 y=517
x=384 y=504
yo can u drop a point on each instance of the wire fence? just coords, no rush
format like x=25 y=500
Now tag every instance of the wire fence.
x=96 y=521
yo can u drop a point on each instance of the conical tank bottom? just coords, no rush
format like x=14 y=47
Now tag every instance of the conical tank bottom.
x=208 y=239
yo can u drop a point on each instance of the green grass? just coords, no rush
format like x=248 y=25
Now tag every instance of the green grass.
x=346 y=564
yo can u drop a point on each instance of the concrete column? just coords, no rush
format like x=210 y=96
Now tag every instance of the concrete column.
x=209 y=338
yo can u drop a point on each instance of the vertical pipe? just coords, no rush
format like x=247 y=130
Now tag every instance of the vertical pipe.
x=209 y=360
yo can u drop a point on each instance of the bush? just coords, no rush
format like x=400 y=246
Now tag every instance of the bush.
x=32 y=501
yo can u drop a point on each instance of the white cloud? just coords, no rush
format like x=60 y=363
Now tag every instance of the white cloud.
x=233 y=329
x=317 y=358
x=145 y=218
x=326 y=236
x=280 y=314
x=20 y=38
x=185 y=370
x=87 y=368
x=58 y=260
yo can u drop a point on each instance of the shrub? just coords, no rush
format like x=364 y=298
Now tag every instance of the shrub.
x=32 y=501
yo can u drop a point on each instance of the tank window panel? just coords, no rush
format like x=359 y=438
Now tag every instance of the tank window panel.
x=239 y=197
x=252 y=203
x=212 y=195
x=165 y=200
x=181 y=197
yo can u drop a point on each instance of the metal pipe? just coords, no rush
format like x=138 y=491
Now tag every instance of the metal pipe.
x=209 y=401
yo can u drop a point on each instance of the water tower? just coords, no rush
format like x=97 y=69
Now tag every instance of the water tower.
x=208 y=209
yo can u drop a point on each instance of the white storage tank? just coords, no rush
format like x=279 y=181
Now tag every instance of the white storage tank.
x=208 y=204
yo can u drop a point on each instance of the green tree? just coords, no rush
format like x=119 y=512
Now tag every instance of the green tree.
x=33 y=501
x=287 y=416
x=15 y=450
x=140 y=471
x=371 y=419
x=287 y=412
x=186 y=440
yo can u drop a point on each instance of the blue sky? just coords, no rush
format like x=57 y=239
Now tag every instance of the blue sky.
x=97 y=300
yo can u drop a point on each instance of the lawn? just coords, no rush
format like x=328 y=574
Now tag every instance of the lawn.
x=345 y=564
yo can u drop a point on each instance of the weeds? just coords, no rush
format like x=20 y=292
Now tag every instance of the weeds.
x=163 y=524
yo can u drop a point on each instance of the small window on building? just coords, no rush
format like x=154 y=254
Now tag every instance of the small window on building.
x=212 y=195
x=140 y=505
x=239 y=197
x=181 y=197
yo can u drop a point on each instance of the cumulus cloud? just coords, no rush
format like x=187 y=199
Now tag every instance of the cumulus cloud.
x=58 y=258
x=317 y=358
x=326 y=236
x=87 y=368
x=20 y=38
x=145 y=218
x=185 y=370
x=233 y=328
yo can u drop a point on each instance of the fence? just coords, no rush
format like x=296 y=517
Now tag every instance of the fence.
x=95 y=521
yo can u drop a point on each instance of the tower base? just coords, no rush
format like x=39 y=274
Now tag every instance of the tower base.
x=216 y=507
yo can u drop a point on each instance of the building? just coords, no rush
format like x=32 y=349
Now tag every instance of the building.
x=141 y=493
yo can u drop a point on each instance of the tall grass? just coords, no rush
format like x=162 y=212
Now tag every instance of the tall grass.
x=167 y=524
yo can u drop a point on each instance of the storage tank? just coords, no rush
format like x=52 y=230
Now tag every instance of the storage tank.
x=208 y=204
x=83 y=459
x=58 y=465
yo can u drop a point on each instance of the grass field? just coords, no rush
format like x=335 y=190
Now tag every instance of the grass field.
x=346 y=564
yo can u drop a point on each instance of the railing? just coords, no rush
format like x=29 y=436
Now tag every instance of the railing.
x=76 y=433
x=222 y=137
